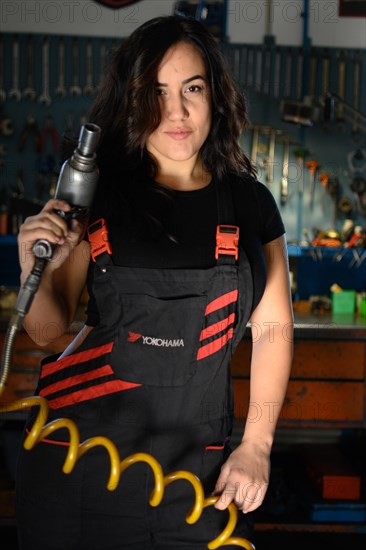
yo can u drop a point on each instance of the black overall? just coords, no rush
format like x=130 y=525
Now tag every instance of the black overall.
x=153 y=376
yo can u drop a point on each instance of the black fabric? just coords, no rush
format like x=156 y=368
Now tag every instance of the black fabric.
x=83 y=524
x=171 y=408
x=186 y=236
x=179 y=409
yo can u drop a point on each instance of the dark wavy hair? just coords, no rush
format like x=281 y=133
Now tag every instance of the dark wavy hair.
x=127 y=107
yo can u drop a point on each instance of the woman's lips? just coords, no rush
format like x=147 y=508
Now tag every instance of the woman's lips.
x=178 y=135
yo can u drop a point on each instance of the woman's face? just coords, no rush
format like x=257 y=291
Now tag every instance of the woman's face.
x=185 y=106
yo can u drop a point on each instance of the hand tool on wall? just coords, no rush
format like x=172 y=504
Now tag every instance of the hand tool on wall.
x=313 y=74
x=271 y=155
x=30 y=129
x=299 y=74
x=15 y=91
x=257 y=70
x=45 y=95
x=347 y=230
x=363 y=203
x=69 y=138
x=255 y=140
x=325 y=80
x=46 y=178
x=102 y=61
x=49 y=130
x=83 y=119
x=268 y=160
x=298 y=113
x=300 y=153
x=302 y=112
x=288 y=74
x=358 y=187
x=263 y=162
x=356 y=134
x=242 y=73
x=269 y=68
x=312 y=166
x=29 y=92
x=357 y=161
x=6 y=125
x=250 y=69
x=334 y=188
x=285 y=170
x=60 y=88
x=75 y=89
x=323 y=177
x=89 y=87
x=341 y=91
x=330 y=186
x=2 y=87
x=358 y=118
x=345 y=205
x=17 y=194
x=277 y=74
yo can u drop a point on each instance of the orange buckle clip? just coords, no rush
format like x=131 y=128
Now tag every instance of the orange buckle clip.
x=98 y=238
x=227 y=240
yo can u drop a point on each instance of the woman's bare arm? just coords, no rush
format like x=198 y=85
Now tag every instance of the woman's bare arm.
x=63 y=279
x=244 y=477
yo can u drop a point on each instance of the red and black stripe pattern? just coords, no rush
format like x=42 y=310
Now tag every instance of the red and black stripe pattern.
x=220 y=321
x=80 y=377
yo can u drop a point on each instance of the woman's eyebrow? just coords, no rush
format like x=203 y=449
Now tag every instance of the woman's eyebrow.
x=186 y=81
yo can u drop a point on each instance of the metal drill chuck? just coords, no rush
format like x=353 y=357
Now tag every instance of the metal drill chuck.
x=88 y=139
x=79 y=175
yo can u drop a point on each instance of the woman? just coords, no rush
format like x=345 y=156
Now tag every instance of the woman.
x=170 y=297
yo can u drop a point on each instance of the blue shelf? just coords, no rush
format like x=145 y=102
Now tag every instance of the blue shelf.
x=326 y=252
x=318 y=268
x=8 y=240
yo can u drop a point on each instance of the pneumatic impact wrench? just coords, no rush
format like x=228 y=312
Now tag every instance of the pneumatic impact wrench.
x=76 y=185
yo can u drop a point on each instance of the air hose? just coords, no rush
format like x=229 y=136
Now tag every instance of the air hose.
x=77 y=449
x=23 y=303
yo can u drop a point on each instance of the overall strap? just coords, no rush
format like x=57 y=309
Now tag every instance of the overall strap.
x=225 y=203
x=100 y=247
x=227 y=234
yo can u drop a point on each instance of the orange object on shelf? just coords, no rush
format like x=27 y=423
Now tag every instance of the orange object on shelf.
x=332 y=473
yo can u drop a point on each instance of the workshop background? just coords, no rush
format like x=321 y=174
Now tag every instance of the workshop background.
x=302 y=66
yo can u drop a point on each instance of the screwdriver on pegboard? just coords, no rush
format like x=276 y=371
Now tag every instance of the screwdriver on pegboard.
x=312 y=166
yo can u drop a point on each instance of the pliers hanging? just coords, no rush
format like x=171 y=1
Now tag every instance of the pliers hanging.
x=30 y=128
x=49 y=130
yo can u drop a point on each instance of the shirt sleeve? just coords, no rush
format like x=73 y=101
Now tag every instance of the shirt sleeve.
x=272 y=225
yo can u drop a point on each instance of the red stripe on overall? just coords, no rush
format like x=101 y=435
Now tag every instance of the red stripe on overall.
x=214 y=346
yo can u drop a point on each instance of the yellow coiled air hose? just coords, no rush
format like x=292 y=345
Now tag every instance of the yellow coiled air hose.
x=76 y=450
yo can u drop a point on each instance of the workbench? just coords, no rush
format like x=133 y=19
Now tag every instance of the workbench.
x=326 y=392
x=324 y=404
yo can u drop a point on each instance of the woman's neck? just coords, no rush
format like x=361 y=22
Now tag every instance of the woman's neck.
x=183 y=177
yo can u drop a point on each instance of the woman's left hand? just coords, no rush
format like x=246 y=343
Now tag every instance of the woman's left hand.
x=244 y=477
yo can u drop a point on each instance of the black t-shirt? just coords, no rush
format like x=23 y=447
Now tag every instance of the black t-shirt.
x=187 y=234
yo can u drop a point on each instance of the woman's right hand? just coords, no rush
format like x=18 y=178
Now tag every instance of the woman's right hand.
x=48 y=225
